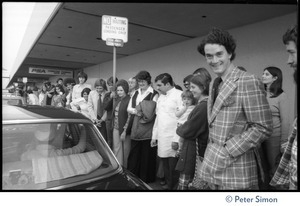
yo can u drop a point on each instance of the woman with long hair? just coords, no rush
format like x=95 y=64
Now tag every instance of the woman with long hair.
x=121 y=138
x=69 y=83
x=42 y=95
x=195 y=128
x=274 y=146
x=59 y=97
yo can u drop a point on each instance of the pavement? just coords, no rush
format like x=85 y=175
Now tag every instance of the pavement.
x=156 y=185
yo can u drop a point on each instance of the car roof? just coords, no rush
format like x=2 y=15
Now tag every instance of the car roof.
x=35 y=112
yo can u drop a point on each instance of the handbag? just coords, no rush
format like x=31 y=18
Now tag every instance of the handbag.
x=198 y=183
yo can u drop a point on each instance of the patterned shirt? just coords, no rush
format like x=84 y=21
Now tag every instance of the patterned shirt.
x=116 y=120
x=286 y=172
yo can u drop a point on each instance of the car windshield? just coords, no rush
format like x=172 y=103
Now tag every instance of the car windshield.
x=49 y=155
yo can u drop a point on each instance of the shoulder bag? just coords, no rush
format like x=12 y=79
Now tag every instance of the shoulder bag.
x=198 y=183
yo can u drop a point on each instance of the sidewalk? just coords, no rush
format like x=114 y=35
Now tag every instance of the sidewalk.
x=156 y=185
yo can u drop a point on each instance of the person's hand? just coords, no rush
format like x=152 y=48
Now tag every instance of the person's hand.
x=113 y=94
x=78 y=107
x=175 y=145
x=282 y=148
x=123 y=135
x=97 y=122
x=153 y=143
x=178 y=153
x=134 y=111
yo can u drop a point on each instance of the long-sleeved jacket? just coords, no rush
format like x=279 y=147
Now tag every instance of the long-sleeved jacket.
x=165 y=125
x=286 y=172
x=144 y=120
x=195 y=128
x=239 y=121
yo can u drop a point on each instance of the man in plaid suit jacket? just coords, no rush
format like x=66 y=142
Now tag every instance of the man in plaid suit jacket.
x=286 y=173
x=239 y=119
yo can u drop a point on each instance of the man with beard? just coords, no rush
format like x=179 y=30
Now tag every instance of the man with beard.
x=286 y=173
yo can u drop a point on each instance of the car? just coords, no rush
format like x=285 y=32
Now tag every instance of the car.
x=50 y=148
x=12 y=99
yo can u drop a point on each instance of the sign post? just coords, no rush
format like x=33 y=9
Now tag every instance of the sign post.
x=115 y=33
x=25 y=92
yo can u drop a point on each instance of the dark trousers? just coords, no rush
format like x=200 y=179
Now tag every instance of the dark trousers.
x=171 y=175
x=263 y=185
x=102 y=130
x=142 y=160
x=109 y=133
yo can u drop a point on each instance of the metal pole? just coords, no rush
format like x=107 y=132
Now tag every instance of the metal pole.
x=114 y=66
x=25 y=93
x=114 y=73
x=114 y=81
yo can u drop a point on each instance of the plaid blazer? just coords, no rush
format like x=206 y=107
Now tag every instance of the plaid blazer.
x=239 y=121
x=284 y=174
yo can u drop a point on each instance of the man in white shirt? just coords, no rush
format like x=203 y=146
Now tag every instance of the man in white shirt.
x=164 y=130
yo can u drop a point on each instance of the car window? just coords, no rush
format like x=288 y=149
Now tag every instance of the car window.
x=41 y=156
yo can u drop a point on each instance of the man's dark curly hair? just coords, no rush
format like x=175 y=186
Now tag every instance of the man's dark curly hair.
x=290 y=35
x=221 y=37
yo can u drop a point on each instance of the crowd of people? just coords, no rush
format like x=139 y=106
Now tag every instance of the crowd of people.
x=238 y=123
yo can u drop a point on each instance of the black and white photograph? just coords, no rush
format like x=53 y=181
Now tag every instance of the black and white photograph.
x=184 y=100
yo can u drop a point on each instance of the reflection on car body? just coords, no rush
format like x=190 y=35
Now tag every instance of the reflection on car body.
x=54 y=148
